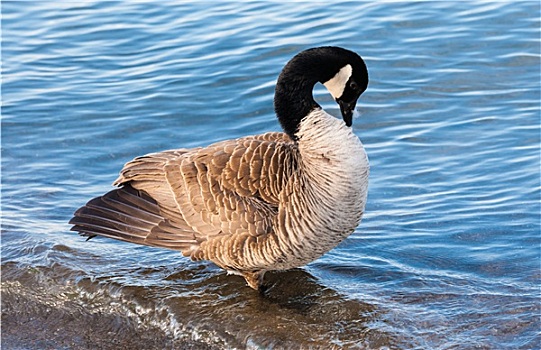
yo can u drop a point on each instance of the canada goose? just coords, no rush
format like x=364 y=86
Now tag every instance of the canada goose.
x=274 y=201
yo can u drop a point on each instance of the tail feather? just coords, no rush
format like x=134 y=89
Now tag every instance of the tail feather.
x=92 y=230
x=130 y=215
x=131 y=202
x=102 y=208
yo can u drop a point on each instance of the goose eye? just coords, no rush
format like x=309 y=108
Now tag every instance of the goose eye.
x=353 y=85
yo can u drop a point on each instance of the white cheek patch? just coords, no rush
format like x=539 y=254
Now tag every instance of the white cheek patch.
x=337 y=84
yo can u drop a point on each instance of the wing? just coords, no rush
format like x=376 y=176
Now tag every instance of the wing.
x=228 y=188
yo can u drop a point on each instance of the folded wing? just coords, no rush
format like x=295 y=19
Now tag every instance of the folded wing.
x=178 y=199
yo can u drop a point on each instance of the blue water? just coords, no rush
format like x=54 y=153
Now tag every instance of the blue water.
x=448 y=254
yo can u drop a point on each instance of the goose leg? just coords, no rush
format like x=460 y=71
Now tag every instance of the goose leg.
x=254 y=279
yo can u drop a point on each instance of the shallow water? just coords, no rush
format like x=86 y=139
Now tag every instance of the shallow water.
x=447 y=255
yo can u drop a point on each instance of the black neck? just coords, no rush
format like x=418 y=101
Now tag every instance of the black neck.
x=293 y=99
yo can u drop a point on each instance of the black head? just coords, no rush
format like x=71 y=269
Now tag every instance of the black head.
x=346 y=81
x=341 y=71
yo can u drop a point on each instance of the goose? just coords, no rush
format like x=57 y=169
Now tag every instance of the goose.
x=267 y=202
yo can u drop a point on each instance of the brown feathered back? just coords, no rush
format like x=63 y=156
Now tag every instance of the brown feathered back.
x=190 y=196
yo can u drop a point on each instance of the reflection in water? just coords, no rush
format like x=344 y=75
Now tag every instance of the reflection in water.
x=212 y=308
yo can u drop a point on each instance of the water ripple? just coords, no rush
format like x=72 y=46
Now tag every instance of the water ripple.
x=447 y=255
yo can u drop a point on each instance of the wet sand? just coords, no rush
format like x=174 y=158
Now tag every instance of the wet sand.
x=28 y=323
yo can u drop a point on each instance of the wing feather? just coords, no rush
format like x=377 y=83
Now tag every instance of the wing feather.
x=178 y=199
